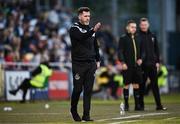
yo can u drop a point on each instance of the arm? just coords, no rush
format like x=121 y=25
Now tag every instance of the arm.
x=139 y=59
x=137 y=39
x=156 y=49
x=121 y=54
x=36 y=71
x=121 y=50
x=81 y=34
x=142 y=49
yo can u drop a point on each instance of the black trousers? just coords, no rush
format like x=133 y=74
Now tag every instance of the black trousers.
x=132 y=75
x=83 y=79
x=151 y=72
x=24 y=86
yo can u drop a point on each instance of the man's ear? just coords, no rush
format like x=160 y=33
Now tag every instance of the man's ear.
x=127 y=28
x=148 y=25
x=79 y=16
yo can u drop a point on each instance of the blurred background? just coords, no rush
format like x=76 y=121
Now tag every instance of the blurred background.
x=32 y=31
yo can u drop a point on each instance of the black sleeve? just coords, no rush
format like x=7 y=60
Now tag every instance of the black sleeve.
x=36 y=71
x=142 y=49
x=156 y=49
x=121 y=50
x=138 y=47
x=80 y=35
x=96 y=46
x=160 y=73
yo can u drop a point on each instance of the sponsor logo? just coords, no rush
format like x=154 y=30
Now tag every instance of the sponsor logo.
x=152 y=39
x=77 y=76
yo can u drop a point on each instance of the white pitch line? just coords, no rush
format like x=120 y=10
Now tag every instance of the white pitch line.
x=120 y=118
x=122 y=122
x=166 y=119
x=31 y=113
x=132 y=116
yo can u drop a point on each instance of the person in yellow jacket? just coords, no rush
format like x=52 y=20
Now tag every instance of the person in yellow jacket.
x=162 y=76
x=38 y=79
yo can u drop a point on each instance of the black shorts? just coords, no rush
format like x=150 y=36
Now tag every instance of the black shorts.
x=132 y=76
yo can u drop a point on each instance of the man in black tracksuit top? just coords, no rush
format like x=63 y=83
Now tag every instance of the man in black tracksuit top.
x=85 y=60
x=150 y=62
x=129 y=56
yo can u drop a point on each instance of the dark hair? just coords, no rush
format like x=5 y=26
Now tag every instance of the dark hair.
x=130 y=21
x=82 y=9
x=143 y=20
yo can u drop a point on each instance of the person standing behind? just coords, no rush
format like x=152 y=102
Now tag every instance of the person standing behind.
x=85 y=61
x=150 y=62
x=129 y=56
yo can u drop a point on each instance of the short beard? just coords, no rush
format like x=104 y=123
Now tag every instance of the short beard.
x=86 y=23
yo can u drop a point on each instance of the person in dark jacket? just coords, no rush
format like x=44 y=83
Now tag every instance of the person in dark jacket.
x=85 y=60
x=129 y=56
x=150 y=62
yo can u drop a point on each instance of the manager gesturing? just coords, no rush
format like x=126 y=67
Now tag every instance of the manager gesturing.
x=85 y=60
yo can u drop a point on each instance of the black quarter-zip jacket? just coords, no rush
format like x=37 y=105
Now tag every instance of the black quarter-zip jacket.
x=148 y=48
x=84 y=43
x=126 y=52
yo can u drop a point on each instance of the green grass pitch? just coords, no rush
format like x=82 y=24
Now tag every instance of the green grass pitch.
x=103 y=112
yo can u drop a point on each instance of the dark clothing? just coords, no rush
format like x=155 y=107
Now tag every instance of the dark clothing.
x=126 y=52
x=129 y=53
x=150 y=56
x=83 y=79
x=84 y=43
x=132 y=75
x=126 y=55
x=85 y=53
x=150 y=72
x=149 y=48
x=36 y=71
x=25 y=85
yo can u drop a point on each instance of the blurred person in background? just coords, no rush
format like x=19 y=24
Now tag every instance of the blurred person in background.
x=28 y=25
x=150 y=62
x=107 y=81
x=39 y=78
x=129 y=56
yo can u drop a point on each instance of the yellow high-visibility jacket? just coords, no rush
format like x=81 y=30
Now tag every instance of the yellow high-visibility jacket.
x=40 y=79
x=162 y=80
x=119 y=78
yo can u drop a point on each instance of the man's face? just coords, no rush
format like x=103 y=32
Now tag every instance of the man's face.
x=84 y=18
x=144 y=26
x=131 y=28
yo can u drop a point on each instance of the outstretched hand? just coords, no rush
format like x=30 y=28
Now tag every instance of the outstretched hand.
x=97 y=27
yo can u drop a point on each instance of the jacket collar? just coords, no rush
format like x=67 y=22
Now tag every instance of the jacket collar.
x=130 y=35
x=148 y=32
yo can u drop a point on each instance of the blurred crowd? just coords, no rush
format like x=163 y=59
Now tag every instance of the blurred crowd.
x=27 y=35
x=30 y=35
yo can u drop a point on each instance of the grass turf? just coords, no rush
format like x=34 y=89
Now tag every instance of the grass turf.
x=103 y=112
